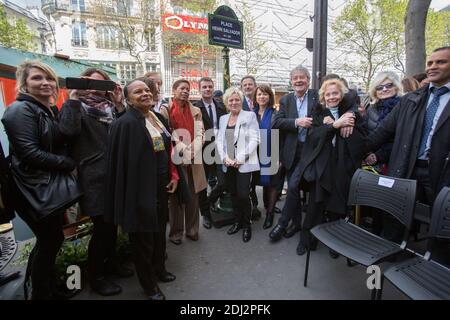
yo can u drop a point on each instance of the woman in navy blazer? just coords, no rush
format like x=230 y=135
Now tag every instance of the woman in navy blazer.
x=237 y=143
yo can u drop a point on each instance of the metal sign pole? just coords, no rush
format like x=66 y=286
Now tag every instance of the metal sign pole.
x=226 y=68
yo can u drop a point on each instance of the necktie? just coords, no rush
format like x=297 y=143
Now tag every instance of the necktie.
x=250 y=104
x=211 y=116
x=429 y=117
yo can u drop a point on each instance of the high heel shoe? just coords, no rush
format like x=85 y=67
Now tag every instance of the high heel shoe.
x=268 y=222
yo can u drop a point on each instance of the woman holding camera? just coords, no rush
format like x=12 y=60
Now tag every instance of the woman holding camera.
x=140 y=177
x=40 y=170
x=85 y=120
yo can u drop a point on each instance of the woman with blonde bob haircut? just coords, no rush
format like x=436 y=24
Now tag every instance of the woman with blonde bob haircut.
x=38 y=151
x=237 y=143
x=23 y=72
x=328 y=161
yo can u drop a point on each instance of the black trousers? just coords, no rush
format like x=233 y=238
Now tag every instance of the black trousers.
x=219 y=188
x=49 y=238
x=102 y=247
x=149 y=248
x=210 y=172
x=425 y=194
x=292 y=209
x=238 y=184
x=314 y=214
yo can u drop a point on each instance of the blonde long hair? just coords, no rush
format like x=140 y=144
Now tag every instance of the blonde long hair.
x=23 y=71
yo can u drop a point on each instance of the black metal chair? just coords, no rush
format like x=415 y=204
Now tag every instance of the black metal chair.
x=393 y=195
x=421 y=278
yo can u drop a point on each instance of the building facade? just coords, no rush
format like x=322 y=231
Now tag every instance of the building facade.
x=118 y=33
x=35 y=22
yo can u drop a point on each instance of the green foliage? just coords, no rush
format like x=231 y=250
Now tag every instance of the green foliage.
x=373 y=33
x=196 y=5
x=15 y=33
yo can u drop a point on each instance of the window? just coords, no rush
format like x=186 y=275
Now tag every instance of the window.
x=127 y=70
x=106 y=37
x=151 y=67
x=124 y=7
x=78 y=5
x=79 y=38
x=151 y=39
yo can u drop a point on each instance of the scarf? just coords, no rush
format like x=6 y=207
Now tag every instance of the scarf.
x=157 y=139
x=97 y=106
x=182 y=119
x=266 y=124
x=385 y=107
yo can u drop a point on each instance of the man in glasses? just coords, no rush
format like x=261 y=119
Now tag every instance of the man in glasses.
x=420 y=126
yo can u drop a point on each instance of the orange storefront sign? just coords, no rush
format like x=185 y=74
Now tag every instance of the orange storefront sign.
x=186 y=24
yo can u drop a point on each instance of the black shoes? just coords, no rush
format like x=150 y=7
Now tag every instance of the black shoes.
x=166 y=277
x=156 y=295
x=269 y=220
x=292 y=230
x=105 y=287
x=207 y=222
x=301 y=250
x=277 y=232
x=256 y=214
x=234 y=228
x=247 y=234
x=175 y=241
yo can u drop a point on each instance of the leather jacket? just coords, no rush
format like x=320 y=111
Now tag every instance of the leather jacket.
x=36 y=144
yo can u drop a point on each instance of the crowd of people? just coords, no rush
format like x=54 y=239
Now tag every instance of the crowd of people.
x=135 y=160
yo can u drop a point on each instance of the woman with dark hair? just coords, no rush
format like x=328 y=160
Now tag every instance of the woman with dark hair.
x=268 y=175
x=140 y=177
x=188 y=135
x=37 y=150
x=85 y=120
x=409 y=85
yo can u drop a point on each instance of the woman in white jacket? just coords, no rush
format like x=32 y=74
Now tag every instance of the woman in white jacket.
x=237 y=143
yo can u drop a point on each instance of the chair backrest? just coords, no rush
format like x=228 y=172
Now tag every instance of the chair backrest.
x=393 y=195
x=440 y=216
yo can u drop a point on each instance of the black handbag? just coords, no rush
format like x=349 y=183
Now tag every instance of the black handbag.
x=54 y=194
x=6 y=196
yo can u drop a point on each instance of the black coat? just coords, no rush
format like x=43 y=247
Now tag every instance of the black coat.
x=207 y=123
x=6 y=205
x=284 y=120
x=37 y=151
x=404 y=124
x=131 y=175
x=88 y=137
x=372 y=115
x=331 y=167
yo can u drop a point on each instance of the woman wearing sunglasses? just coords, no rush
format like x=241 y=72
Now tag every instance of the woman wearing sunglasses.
x=384 y=92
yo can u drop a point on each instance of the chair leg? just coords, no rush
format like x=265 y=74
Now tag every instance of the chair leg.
x=305 y=277
x=350 y=263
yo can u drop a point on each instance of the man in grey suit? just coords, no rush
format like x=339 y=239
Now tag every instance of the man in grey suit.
x=293 y=120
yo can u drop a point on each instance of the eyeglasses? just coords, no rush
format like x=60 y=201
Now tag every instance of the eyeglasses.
x=384 y=86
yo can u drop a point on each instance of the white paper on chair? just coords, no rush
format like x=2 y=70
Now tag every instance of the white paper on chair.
x=385 y=182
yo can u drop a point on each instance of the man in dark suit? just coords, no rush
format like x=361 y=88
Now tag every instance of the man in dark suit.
x=420 y=125
x=212 y=110
x=248 y=87
x=293 y=120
